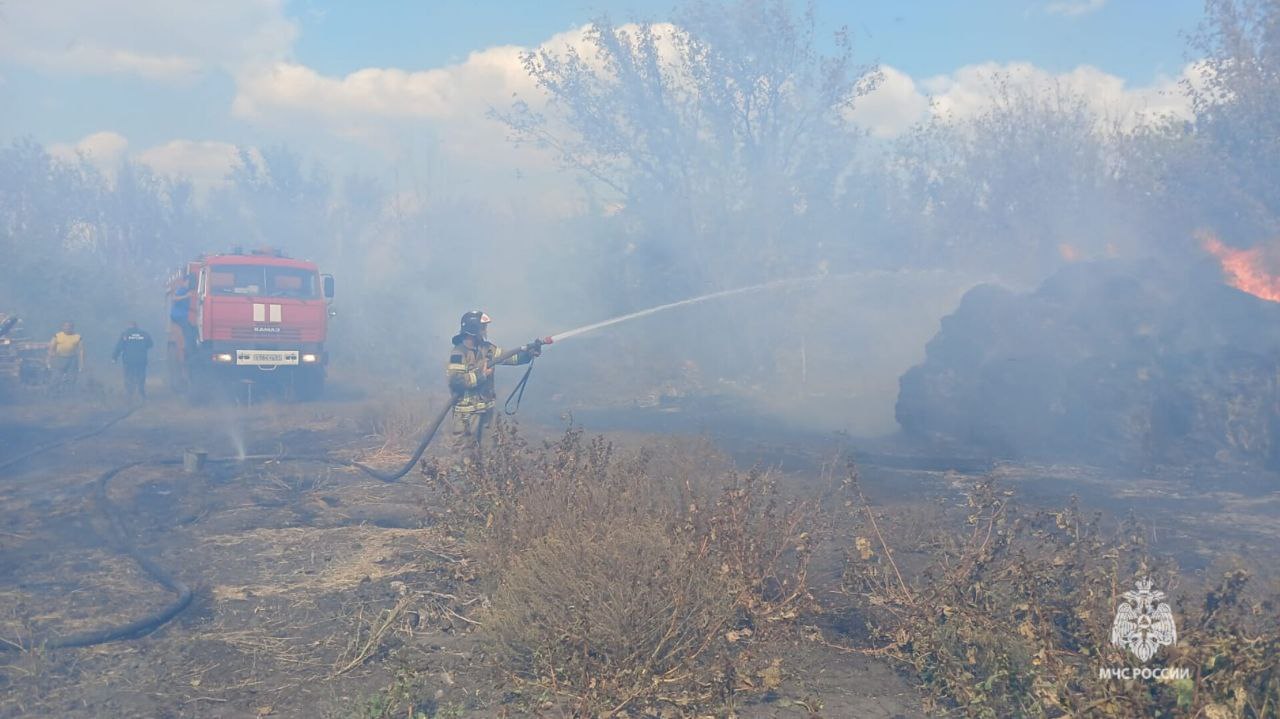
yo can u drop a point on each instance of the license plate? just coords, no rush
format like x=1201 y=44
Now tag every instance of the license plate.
x=265 y=357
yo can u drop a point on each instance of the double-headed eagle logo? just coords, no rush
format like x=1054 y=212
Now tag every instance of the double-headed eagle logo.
x=1144 y=626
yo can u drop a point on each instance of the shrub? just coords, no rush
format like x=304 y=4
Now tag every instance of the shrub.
x=609 y=613
x=624 y=580
x=1011 y=616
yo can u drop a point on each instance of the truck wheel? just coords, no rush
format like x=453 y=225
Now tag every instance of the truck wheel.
x=308 y=385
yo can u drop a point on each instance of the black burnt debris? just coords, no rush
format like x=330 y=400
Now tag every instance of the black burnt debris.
x=1109 y=362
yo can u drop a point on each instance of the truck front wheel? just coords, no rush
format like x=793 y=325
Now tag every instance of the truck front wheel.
x=308 y=384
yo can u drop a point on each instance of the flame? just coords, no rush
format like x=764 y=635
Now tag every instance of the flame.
x=1243 y=268
x=1068 y=252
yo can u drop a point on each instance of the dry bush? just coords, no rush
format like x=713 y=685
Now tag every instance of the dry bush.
x=620 y=583
x=608 y=613
x=1011 y=616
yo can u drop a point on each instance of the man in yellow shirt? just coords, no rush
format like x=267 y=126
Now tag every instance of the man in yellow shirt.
x=66 y=354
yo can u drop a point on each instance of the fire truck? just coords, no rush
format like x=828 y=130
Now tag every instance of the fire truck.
x=245 y=319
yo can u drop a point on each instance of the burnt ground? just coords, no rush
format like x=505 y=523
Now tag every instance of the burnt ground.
x=1196 y=514
x=318 y=589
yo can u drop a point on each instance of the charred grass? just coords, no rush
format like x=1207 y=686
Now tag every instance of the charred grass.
x=312 y=584
x=575 y=578
x=650 y=583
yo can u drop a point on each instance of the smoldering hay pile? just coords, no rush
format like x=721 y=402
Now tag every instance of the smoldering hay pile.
x=1107 y=362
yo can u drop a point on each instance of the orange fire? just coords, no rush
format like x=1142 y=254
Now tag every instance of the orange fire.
x=1243 y=268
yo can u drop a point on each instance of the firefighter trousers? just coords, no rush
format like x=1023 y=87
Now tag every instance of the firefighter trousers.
x=135 y=379
x=468 y=434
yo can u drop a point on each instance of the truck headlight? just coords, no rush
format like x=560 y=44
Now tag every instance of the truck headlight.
x=222 y=357
x=308 y=358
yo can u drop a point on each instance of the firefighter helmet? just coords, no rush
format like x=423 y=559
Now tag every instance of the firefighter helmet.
x=473 y=322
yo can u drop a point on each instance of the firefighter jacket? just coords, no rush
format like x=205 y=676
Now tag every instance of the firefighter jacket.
x=475 y=391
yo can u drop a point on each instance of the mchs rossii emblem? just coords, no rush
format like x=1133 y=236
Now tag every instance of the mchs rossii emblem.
x=1143 y=624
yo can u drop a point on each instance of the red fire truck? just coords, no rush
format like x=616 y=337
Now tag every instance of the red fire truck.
x=242 y=319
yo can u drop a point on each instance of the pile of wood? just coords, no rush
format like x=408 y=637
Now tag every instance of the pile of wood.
x=1106 y=362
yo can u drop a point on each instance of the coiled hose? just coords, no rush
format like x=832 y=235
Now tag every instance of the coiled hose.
x=122 y=543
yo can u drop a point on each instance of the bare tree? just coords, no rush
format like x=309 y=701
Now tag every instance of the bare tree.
x=1027 y=183
x=1235 y=97
x=722 y=135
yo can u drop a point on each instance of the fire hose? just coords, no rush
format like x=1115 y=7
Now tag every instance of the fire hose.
x=121 y=542
x=153 y=621
x=123 y=545
x=434 y=426
x=67 y=440
x=183 y=594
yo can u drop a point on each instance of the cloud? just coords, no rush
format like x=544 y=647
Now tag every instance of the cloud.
x=163 y=40
x=288 y=88
x=104 y=150
x=1074 y=8
x=971 y=89
x=460 y=92
x=394 y=111
x=205 y=163
x=893 y=106
x=901 y=101
x=99 y=60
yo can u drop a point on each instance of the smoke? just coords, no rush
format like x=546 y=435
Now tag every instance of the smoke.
x=710 y=153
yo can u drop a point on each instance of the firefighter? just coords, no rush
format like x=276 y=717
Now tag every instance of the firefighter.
x=132 y=347
x=66 y=355
x=179 y=313
x=470 y=374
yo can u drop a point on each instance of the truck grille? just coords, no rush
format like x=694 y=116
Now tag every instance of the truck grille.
x=285 y=334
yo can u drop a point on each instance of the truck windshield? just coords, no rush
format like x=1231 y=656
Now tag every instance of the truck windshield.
x=261 y=281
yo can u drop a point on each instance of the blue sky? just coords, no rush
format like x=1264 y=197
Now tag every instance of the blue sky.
x=1135 y=39
x=372 y=86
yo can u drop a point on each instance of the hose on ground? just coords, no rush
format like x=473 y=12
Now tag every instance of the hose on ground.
x=124 y=545
x=417 y=453
x=67 y=440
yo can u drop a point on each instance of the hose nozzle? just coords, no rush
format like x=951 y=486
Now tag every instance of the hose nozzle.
x=537 y=344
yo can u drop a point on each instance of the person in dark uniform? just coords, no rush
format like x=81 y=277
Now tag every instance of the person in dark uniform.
x=132 y=348
x=470 y=373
